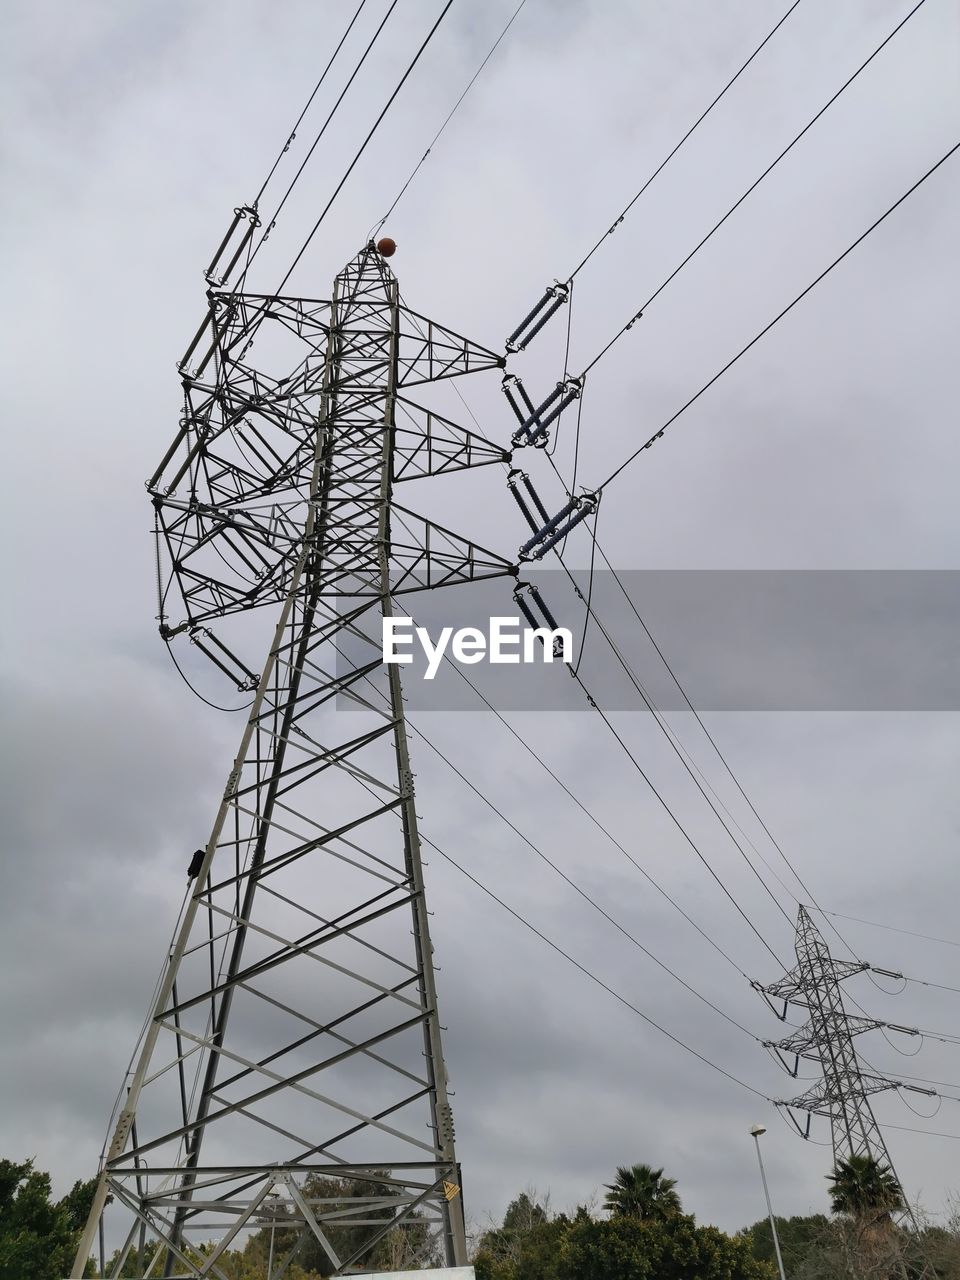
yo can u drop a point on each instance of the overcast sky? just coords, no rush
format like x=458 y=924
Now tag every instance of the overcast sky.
x=131 y=133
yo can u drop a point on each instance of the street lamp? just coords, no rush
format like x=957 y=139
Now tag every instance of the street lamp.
x=756 y=1130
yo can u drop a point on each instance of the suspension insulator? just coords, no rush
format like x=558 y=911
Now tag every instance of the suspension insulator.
x=527 y=513
x=538 y=434
x=241 y=214
x=524 y=607
x=513 y=387
x=588 y=507
x=534 y=496
x=551 y=302
x=528 y=613
x=541 y=604
x=549 y=527
x=533 y=428
x=566 y=519
x=197 y=338
x=242 y=676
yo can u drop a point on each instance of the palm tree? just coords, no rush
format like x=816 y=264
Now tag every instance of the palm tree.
x=642 y=1192
x=865 y=1189
x=868 y=1192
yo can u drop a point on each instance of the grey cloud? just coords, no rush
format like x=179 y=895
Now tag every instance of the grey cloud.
x=830 y=445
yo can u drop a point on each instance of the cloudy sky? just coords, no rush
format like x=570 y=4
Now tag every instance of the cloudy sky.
x=132 y=132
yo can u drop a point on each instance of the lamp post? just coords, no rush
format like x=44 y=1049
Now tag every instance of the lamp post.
x=756 y=1130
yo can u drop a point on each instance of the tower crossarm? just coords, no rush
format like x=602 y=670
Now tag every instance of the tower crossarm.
x=805 y=1043
x=823 y=1098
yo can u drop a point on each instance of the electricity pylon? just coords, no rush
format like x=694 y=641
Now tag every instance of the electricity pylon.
x=843 y=1094
x=291 y=1072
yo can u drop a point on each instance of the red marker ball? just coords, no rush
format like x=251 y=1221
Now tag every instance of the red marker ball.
x=387 y=247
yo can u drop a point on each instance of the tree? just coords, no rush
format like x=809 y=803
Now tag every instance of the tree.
x=865 y=1189
x=800 y=1240
x=642 y=1192
x=38 y=1238
x=666 y=1248
x=404 y=1247
x=808 y=1244
x=866 y=1192
x=525 y=1245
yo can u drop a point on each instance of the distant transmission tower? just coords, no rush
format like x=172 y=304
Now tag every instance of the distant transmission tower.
x=291 y=1073
x=843 y=1094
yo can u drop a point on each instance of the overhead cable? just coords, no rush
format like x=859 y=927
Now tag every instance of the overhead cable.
x=555 y=946
x=753 y=186
x=363 y=146
x=559 y=294
x=786 y=310
x=316 y=142
x=317 y=87
x=549 y=941
x=874 y=924
x=453 y=111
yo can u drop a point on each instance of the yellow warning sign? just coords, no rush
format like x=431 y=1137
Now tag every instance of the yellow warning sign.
x=451 y=1190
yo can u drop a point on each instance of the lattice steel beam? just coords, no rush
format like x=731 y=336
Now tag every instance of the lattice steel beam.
x=293 y=1056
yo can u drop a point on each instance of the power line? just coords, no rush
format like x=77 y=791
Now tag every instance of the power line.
x=196 y=692
x=316 y=142
x=572 y=883
x=696 y=124
x=923 y=982
x=689 y=839
x=623 y=330
x=451 y=113
x=655 y=712
x=687 y=760
x=542 y=936
x=671 y=738
x=599 y=825
x=766 y=329
x=589 y=974
x=720 y=755
x=554 y=866
x=942 y=1037
x=317 y=87
x=753 y=186
x=945 y=1037
x=946 y=1084
x=874 y=924
x=927 y=1133
x=363 y=146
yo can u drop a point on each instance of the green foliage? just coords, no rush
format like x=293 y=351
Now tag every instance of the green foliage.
x=526 y=1247
x=235 y=1265
x=864 y=1188
x=800 y=1239
x=669 y=1248
x=400 y=1248
x=647 y=1237
x=642 y=1192
x=38 y=1238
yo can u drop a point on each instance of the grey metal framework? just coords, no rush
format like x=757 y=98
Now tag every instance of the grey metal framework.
x=291 y=1072
x=827 y=1038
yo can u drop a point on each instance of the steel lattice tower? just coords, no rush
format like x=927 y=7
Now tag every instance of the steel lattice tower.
x=827 y=1038
x=291 y=1072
